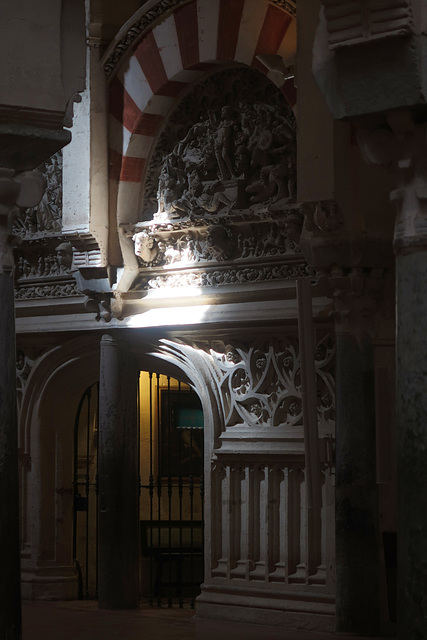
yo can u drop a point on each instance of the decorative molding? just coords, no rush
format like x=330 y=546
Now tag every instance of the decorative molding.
x=42 y=291
x=353 y=22
x=146 y=19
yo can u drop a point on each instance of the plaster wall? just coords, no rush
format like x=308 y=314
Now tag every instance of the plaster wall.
x=54 y=70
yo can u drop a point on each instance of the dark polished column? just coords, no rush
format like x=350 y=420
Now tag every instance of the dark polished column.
x=23 y=190
x=411 y=271
x=356 y=494
x=356 y=497
x=10 y=583
x=118 y=570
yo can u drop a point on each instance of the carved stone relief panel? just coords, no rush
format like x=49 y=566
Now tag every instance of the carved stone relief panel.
x=230 y=145
x=163 y=244
x=44 y=259
x=219 y=190
x=43 y=269
x=261 y=385
x=46 y=217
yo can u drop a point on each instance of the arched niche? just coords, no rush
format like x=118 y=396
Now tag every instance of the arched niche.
x=162 y=52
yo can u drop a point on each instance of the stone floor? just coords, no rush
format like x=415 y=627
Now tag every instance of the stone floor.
x=84 y=621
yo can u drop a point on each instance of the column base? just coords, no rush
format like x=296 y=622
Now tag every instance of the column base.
x=293 y=610
x=49 y=583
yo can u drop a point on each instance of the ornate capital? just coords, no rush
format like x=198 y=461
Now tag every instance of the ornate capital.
x=400 y=142
x=23 y=190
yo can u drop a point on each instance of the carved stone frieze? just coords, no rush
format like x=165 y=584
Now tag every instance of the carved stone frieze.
x=43 y=260
x=229 y=146
x=261 y=385
x=59 y=290
x=46 y=217
x=44 y=269
x=357 y=21
x=224 y=276
x=15 y=191
x=145 y=21
x=159 y=245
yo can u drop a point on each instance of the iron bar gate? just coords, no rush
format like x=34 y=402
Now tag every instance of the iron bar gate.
x=171 y=489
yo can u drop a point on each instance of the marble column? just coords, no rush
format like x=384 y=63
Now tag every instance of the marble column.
x=356 y=494
x=410 y=244
x=401 y=144
x=23 y=190
x=412 y=443
x=118 y=531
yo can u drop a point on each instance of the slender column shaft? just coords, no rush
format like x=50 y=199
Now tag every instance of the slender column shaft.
x=357 y=550
x=412 y=444
x=118 y=478
x=10 y=578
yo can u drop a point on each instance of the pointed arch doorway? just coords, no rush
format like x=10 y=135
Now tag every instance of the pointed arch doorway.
x=170 y=485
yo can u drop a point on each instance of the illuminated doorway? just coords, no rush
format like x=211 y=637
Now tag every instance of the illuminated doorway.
x=171 y=489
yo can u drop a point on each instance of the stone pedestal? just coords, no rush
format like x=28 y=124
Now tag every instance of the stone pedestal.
x=412 y=444
x=356 y=501
x=118 y=478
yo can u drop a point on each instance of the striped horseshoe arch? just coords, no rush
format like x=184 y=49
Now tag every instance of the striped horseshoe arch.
x=196 y=37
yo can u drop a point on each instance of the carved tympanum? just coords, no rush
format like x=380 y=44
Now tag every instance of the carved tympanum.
x=229 y=145
x=241 y=156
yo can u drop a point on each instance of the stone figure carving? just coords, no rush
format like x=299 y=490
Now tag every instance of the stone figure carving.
x=243 y=157
x=232 y=126
x=47 y=262
x=146 y=247
x=46 y=217
x=64 y=255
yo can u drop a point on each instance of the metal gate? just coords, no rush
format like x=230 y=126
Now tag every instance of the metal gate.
x=171 y=491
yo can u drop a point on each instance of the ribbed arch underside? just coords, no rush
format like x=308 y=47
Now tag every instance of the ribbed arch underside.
x=198 y=37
